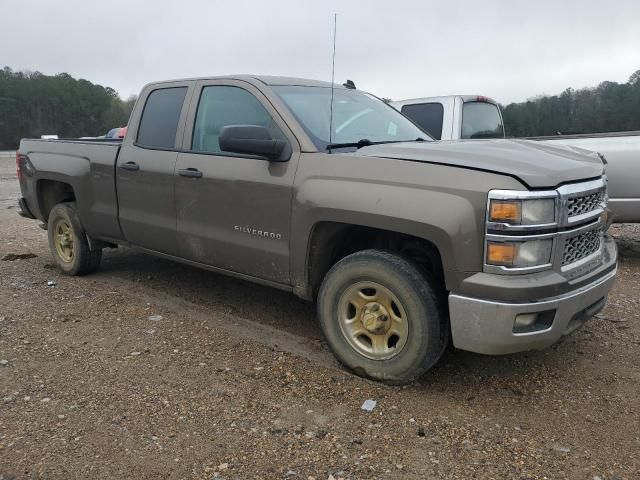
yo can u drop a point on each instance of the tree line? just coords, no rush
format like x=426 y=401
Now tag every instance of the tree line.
x=609 y=107
x=34 y=104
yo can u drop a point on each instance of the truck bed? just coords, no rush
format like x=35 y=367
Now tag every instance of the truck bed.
x=88 y=166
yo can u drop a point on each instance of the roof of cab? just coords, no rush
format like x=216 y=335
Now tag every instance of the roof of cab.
x=270 y=80
x=304 y=82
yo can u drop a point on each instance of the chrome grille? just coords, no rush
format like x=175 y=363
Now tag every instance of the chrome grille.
x=585 y=204
x=581 y=246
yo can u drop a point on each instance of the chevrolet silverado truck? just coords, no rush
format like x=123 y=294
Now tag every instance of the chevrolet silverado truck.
x=404 y=243
x=456 y=117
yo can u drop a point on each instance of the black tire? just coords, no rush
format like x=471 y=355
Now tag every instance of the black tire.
x=83 y=260
x=421 y=298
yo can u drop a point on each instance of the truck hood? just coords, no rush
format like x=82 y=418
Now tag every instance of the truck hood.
x=535 y=164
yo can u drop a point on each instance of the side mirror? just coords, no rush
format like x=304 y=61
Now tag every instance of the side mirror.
x=252 y=140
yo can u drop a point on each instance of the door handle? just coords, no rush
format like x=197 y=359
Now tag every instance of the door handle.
x=190 y=172
x=131 y=166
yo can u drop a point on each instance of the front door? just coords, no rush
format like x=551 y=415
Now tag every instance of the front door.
x=234 y=211
x=145 y=171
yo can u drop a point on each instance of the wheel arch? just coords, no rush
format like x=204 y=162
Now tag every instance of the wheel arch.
x=330 y=240
x=51 y=192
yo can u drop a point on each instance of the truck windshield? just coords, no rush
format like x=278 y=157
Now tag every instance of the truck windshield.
x=481 y=120
x=357 y=116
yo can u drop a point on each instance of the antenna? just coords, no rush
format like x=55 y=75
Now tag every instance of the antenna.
x=333 y=71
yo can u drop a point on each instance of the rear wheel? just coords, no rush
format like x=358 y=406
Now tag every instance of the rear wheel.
x=68 y=242
x=382 y=317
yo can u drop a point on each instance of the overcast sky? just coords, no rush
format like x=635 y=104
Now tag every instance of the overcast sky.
x=510 y=50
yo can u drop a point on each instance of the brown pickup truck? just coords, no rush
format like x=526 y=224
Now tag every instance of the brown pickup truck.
x=403 y=242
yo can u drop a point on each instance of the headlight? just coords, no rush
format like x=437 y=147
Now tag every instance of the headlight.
x=537 y=211
x=530 y=253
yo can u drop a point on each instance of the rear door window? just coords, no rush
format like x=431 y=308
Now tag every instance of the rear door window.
x=481 y=120
x=428 y=116
x=160 y=117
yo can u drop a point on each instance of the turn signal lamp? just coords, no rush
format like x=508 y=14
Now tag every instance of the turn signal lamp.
x=501 y=254
x=509 y=211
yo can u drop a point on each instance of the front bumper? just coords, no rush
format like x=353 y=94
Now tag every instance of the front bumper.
x=486 y=326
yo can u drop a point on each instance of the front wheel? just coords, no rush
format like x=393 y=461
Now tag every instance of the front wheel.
x=68 y=241
x=382 y=316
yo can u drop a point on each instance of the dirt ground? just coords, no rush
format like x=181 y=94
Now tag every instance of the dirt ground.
x=150 y=369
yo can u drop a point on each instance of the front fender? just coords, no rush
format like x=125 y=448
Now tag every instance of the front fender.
x=443 y=205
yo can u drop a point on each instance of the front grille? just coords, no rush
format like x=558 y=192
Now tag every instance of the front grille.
x=581 y=246
x=585 y=204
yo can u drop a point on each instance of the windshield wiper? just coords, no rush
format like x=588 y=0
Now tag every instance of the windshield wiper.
x=365 y=142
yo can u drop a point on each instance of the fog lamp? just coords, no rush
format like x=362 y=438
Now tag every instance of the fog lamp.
x=525 y=320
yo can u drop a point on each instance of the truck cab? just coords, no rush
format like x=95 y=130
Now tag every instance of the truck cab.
x=455 y=117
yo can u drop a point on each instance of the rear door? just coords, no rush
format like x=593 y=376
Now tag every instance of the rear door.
x=145 y=168
x=234 y=211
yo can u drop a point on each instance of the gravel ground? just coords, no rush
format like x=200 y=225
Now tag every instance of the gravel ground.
x=150 y=369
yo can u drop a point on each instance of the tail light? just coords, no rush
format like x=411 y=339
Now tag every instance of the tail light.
x=18 y=162
x=21 y=161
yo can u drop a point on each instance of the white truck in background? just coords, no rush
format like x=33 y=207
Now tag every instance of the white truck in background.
x=459 y=117
x=455 y=117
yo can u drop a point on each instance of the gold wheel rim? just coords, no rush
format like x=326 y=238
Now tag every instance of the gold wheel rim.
x=63 y=240
x=373 y=321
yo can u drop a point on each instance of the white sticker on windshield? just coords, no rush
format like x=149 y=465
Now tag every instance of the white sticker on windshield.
x=393 y=129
